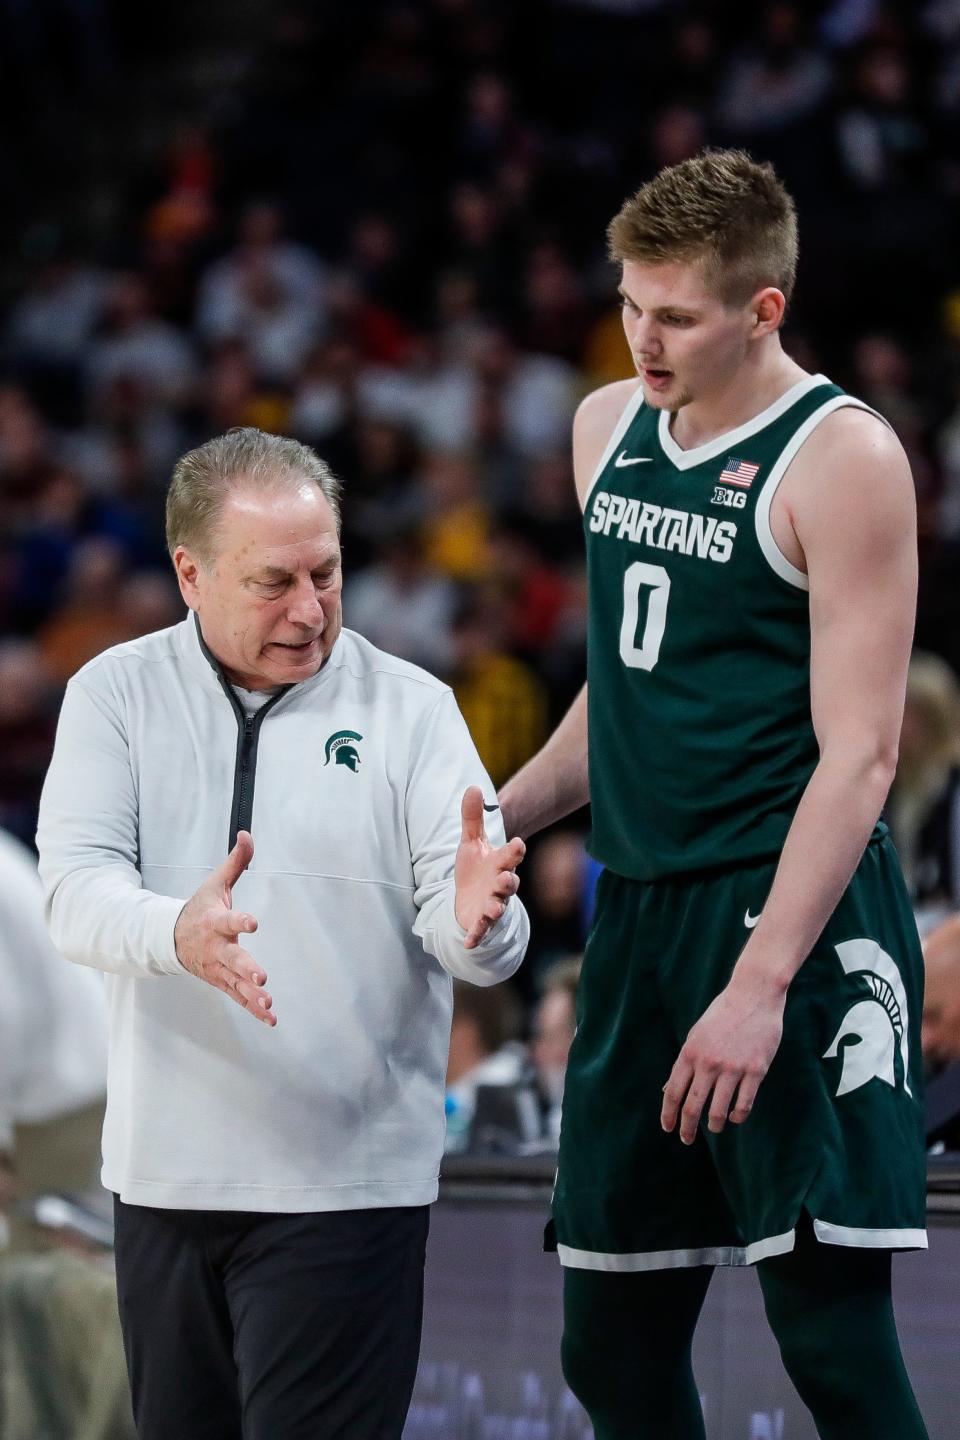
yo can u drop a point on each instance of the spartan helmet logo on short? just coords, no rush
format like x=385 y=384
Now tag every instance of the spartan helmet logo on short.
x=874 y=1028
x=341 y=748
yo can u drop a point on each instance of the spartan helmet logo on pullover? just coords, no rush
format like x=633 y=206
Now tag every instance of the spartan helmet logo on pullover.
x=875 y=1026
x=342 y=750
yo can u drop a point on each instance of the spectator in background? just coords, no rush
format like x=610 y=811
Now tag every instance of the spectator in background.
x=232 y=393
x=941 y=1000
x=695 y=63
x=61 y=1355
x=67 y=514
x=606 y=357
x=377 y=265
x=532 y=396
x=53 y=1048
x=403 y=607
x=940 y=1034
x=947 y=519
x=493 y=134
x=27 y=727
x=547 y=503
x=485 y=1049
x=148 y=600
x=53 y=320
x=458 y=319
x=26 y=458
x=776 y=82
x=556 y=891
x=480 y=243
x=554 y=317
x=292 y=271
x=89 y=619
x=455 y=516
x=538 y=392
x=324 y=402
x=554 y=1025
x=136 y=345
x=382 y=498
x=678 y=132
x=887 y=161
x=125 y=418
x=881 y=138
x=379 y=336
x=274 y=323
x=923 y=809
x=502 y=700
x=50 y=327
x=885 y=379
x=535 y=592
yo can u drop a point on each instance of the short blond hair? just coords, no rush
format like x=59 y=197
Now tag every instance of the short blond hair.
x=243 y=458
x=720 y=206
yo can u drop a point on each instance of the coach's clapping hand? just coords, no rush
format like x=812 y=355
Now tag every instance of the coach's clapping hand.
x=207 y=937
x=485 y=877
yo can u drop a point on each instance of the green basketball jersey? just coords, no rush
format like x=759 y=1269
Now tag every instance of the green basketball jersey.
x=701 y=739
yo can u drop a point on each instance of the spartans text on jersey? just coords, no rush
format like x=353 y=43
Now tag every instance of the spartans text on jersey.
x=665 y=529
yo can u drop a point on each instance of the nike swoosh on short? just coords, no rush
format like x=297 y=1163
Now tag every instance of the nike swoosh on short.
x=751 y=920
x=624 y=459
x=491 y=807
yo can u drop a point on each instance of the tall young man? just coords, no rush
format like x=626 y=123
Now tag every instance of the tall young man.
x=744 y=1087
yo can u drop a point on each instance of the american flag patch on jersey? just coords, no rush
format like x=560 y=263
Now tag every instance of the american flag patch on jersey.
x=739 y=472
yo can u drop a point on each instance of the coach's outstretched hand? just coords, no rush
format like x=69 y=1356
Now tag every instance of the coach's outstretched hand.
x=485 y=877
x=207 y=934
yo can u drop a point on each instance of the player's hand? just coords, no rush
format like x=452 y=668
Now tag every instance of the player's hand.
x=724 y=1059
x=484 y=877
x=207 y=937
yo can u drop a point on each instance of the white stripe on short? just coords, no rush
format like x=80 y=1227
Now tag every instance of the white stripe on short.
x=635 y=1263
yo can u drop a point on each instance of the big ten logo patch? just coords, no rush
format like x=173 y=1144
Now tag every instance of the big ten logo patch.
x=733 y=499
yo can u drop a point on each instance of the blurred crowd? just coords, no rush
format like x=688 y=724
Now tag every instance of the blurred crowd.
x=384 y=234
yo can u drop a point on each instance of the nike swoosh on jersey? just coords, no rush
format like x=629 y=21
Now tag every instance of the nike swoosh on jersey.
x=751 y=920
x=624 y=459
x=491 y=807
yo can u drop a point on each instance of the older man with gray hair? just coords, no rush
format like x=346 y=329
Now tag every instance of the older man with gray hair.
x=273 y=1159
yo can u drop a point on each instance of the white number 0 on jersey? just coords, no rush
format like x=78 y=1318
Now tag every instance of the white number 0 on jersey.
x=645 y=655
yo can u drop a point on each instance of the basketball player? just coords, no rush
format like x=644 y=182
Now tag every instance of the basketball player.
x=745 y=1085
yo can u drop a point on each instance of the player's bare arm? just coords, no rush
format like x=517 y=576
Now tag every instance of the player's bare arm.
x=554 y=782
x=207 y=937
x=845 y=513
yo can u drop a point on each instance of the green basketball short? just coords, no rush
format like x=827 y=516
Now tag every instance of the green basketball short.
x=837 y=1129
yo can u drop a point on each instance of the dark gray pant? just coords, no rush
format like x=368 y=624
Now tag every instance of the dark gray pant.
x=270 y=1327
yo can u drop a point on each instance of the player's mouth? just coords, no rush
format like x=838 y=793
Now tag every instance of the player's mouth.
x=656 y=377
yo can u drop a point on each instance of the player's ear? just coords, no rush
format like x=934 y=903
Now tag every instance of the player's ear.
x=767 y=307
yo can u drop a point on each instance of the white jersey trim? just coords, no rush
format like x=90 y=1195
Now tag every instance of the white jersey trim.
x=774 y=556
x=676 y=1259
x=627 y=415
x=711 y=449
x=860 y=1238
x=849 y=1235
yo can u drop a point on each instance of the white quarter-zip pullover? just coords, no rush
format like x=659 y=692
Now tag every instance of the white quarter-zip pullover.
x=350 y=784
